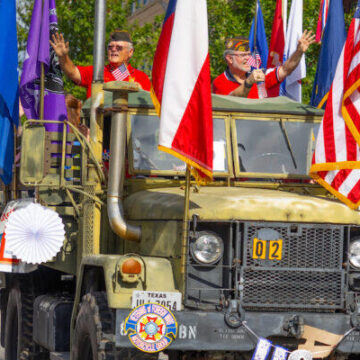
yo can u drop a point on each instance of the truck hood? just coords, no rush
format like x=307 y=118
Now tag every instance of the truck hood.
x=229 y=203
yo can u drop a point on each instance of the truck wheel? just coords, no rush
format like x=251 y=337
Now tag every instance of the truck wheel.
x=93 y=320
x=18 y=327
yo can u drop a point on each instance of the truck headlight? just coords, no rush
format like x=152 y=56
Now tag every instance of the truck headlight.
x=354 y=253
x=208 y=248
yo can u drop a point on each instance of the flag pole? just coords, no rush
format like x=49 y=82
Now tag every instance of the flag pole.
x=13 y=182
x=284 y=15
x=42 y=85
x=184 y=247
x=255 y=28
x=42 y=81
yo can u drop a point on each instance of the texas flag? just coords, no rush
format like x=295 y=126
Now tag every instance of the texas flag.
x=181 y=86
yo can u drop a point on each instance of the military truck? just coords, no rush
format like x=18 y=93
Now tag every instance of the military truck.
x=262 y=252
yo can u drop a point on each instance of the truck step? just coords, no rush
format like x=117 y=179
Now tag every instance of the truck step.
x=60 y=356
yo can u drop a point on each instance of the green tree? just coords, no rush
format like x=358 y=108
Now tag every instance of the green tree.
x=226 y=19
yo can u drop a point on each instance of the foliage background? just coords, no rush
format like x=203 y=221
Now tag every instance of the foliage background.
x=226 y=18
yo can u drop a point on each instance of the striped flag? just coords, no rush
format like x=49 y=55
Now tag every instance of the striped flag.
x=255 y=61
x=182 y=88
x=323 y=13
x=120 y=73
x=336 y=161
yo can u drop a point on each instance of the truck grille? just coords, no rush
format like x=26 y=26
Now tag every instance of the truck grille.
x=309 y=275
x=292 y=289
x=304 y=246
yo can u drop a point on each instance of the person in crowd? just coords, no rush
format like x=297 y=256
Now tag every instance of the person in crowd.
x=239 y=80
x=73 y=108
x=119 y=52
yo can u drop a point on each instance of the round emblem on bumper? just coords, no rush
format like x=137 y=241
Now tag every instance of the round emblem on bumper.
x=151 y=327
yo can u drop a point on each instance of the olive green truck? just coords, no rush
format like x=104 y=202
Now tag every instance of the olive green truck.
x=263 y=253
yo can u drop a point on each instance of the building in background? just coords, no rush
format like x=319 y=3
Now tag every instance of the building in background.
x=144 y=11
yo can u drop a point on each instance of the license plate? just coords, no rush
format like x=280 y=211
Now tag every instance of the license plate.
x=171 y=300
x=267 y=249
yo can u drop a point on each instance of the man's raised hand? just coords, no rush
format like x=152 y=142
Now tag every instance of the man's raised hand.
x=307 y=38
x=59 y=45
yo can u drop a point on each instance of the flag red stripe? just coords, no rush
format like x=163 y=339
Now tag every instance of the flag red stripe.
x=348 y=47
x=192 y=137
x=161 y=56
x=354 y=194
x=353 y=112
x=328 y=126
x=352 y=78
x=339 y=178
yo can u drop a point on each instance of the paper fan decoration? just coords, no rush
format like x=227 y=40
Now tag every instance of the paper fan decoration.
x=34 y=234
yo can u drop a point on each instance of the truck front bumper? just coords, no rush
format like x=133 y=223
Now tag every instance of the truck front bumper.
x=207 y=331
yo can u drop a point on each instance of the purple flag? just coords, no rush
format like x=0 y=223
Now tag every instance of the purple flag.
x=38 y=50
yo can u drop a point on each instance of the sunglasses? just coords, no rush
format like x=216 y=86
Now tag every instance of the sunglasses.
x=241 y=55
x=116 y=47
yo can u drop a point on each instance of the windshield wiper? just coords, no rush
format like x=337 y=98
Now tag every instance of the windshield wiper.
x=288 y=144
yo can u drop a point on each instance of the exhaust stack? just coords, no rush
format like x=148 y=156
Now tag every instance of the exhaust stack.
x=120 y=90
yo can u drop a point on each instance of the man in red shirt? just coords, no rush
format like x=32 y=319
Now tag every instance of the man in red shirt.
x=237 y=80
x=119 y=51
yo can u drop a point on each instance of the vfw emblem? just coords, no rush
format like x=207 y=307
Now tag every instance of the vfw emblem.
x=151 y=327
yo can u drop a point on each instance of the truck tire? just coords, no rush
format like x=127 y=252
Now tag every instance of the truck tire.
x=18 y=327
x=93 y=321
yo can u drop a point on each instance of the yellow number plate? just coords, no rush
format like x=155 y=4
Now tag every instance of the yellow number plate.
x=267 y=249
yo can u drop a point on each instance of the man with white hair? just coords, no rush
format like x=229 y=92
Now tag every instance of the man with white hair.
x=239 y=80
x=119 y=51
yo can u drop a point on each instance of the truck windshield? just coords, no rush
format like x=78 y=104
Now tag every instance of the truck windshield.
x=145 y=139
x=275 y=146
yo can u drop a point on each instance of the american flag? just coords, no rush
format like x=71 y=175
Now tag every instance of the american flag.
x=120 y=73
x=254 y=61
x=336 y=160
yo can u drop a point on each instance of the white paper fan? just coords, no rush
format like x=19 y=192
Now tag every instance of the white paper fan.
x=34 y=234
